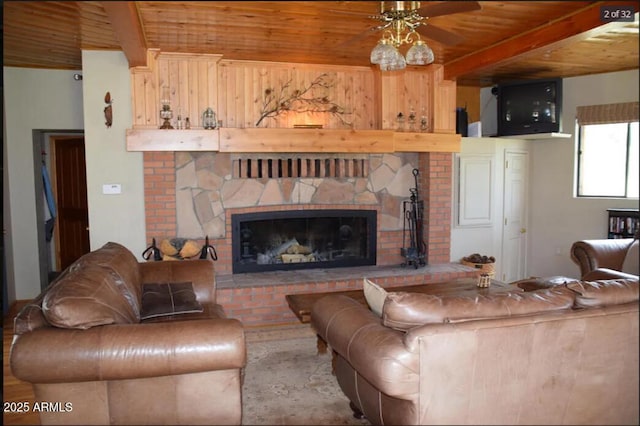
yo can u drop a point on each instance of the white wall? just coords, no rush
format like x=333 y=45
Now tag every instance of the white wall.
x=120 y=217
x=52 y=99
x=485 y=239
x=557 y=219
x=33 y=99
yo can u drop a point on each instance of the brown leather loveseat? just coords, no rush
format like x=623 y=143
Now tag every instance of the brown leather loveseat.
x=606 y=258
x=116 y=341
x=561 y=355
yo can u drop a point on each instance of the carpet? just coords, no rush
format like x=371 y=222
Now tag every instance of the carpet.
x=287 y=382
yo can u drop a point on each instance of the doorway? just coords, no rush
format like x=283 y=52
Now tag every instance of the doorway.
x=69 y=185
x=515 y=220
x=60 y=156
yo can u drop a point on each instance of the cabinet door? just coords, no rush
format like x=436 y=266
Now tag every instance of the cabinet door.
x=514 y=236
x=475 y=191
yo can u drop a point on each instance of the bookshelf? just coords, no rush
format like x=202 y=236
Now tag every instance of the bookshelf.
x=623 y=223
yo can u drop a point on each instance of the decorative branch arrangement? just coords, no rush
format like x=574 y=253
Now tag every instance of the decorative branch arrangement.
x=275 y=102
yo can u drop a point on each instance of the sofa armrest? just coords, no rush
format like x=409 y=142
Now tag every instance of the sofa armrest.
x=201 y=272
x=131 y=351
x=607 y=274
x=603 y=253
x=375 y=351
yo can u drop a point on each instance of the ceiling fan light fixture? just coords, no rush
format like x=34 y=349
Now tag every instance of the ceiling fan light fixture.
x=419 y=54
x=394 y=61
x=401 y=21
x=382 y=49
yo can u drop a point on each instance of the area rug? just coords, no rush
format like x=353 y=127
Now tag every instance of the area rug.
x=287 y=382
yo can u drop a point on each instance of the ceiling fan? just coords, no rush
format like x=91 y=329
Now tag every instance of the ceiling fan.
x=413 y=14
x=403 y=22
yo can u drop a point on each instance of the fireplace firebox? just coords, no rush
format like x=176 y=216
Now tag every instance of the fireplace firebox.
x=303 y=239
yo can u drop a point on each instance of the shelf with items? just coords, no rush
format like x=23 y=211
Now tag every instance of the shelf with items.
x=623 y=223
x=290 y=140
x=539 y=136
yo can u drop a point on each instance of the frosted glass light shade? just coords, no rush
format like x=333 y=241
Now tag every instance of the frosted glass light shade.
x=419 y=54
x=392 y=61
x=382 y=52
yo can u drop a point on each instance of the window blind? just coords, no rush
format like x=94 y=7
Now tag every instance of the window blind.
x=607 y=113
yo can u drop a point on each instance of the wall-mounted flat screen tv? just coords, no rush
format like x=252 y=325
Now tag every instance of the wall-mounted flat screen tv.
x=529 y=107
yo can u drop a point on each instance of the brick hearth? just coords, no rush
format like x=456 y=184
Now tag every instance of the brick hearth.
x=259 y=298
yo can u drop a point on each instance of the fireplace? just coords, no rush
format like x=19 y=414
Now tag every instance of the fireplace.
x=303 y=239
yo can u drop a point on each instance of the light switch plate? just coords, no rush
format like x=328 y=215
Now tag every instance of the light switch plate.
x=112 y=188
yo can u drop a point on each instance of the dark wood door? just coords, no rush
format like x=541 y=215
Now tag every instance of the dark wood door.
x=72 y=224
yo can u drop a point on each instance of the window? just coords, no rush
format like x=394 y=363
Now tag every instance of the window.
x=608 y=151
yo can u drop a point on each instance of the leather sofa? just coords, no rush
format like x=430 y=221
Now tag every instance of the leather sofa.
x=117 y=341
x=606 y=258
x=561 y=355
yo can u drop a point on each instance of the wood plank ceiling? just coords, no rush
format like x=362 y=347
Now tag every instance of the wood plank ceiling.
x=508 y=40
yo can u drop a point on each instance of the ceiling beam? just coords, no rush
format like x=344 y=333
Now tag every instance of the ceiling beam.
x=128 y=30
x=577 y=26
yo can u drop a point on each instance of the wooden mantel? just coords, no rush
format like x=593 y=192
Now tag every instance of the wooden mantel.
x=253 y=140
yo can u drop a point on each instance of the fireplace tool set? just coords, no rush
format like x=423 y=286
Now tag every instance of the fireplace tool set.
x=413 y=211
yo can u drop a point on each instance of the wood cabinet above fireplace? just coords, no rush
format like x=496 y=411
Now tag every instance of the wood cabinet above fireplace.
x=237 y=91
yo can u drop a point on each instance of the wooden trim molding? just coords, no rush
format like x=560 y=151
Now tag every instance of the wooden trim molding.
x=585 y=23
x=255 y=140
x=172 y=140
x=128 y=30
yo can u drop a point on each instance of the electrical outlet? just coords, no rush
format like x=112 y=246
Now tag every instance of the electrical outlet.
x=112 y=188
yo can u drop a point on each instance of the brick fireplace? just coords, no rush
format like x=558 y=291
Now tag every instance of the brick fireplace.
x=195 y=194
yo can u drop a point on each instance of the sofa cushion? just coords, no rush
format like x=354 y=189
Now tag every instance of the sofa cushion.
x=87 y=296
x=593 y=294
x=123 y=265
x=165 y=299
x=374 y=295
x=631 y=264
x=404 y=310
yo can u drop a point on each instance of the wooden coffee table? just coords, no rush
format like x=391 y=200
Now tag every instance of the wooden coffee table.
x=302 y=303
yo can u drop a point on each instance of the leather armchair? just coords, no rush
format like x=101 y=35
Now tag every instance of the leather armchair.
x=606 y=258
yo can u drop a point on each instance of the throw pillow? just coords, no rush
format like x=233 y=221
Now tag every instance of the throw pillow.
x=631 y=263
x=87 y=296
x=123 y=264
x=374 y=295
x=166 y=299
x=593 y=294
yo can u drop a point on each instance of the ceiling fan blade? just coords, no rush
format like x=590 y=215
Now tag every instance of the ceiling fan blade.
x=360 y=14
x=439 y=35
x=448 y=8
x=359 y=37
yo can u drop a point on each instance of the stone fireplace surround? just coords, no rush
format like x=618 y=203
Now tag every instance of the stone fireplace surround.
x=189 y=194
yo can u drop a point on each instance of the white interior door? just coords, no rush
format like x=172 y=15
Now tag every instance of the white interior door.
x=515 y=221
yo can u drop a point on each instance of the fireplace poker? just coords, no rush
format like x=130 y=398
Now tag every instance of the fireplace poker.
x=413 y=208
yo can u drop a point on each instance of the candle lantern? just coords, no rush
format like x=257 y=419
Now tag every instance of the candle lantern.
x=165 y=112
x=209 y=119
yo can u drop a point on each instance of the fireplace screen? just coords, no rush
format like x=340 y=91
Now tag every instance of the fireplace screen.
x=303 y=239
